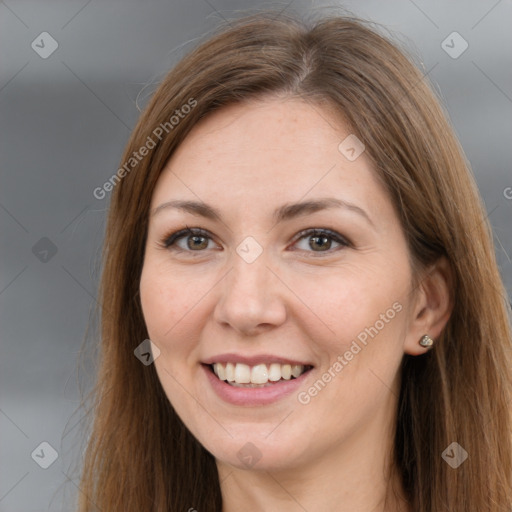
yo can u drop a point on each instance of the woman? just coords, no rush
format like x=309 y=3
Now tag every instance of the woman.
x=295 y=228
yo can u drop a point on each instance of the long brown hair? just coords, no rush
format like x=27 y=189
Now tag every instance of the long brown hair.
x=140 y=456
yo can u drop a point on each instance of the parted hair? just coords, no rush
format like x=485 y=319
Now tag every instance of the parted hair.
x=139 y=455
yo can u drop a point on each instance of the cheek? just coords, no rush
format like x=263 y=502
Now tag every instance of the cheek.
x=164 y=302
x=343 y=302
x=154 y=302
x=173 y=305
x=356 y=317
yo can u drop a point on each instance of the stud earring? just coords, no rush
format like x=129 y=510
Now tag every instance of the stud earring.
x=426 y=341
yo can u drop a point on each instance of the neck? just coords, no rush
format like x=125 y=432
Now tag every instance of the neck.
x=267 y=490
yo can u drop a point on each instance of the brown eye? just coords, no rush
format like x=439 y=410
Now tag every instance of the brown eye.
x=197 y=242
x=188 y=240
x=320 y=241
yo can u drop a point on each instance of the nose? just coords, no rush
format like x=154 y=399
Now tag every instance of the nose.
x=250 y=298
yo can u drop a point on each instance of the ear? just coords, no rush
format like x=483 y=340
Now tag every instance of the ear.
x=432 y=306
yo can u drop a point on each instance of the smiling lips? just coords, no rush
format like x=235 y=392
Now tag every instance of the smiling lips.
x=243 y=375
x=255 y=380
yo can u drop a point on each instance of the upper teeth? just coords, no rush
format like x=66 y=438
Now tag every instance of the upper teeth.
x=259 y=374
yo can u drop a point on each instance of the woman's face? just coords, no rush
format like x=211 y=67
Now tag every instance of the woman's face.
x=293 y=282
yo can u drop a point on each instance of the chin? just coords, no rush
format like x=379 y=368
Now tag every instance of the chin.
x=256 y=452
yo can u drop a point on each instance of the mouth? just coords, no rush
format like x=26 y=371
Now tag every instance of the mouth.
x=242 y=375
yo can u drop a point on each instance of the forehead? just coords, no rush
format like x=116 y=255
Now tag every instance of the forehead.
x=263 y=152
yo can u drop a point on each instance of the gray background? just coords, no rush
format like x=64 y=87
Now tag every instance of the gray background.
x=65 y=120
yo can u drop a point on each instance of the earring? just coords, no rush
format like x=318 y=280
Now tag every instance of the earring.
x=426 y=341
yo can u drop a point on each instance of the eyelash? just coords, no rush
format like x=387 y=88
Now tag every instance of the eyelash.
x=170 y=239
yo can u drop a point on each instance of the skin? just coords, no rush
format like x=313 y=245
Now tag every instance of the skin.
x=295 y=300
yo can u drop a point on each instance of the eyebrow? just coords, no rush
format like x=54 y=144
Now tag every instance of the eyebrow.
x=286 y=212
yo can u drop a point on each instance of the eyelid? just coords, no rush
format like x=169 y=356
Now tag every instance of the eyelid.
x=168 y=241
x=337 y=237
x=333 y=235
